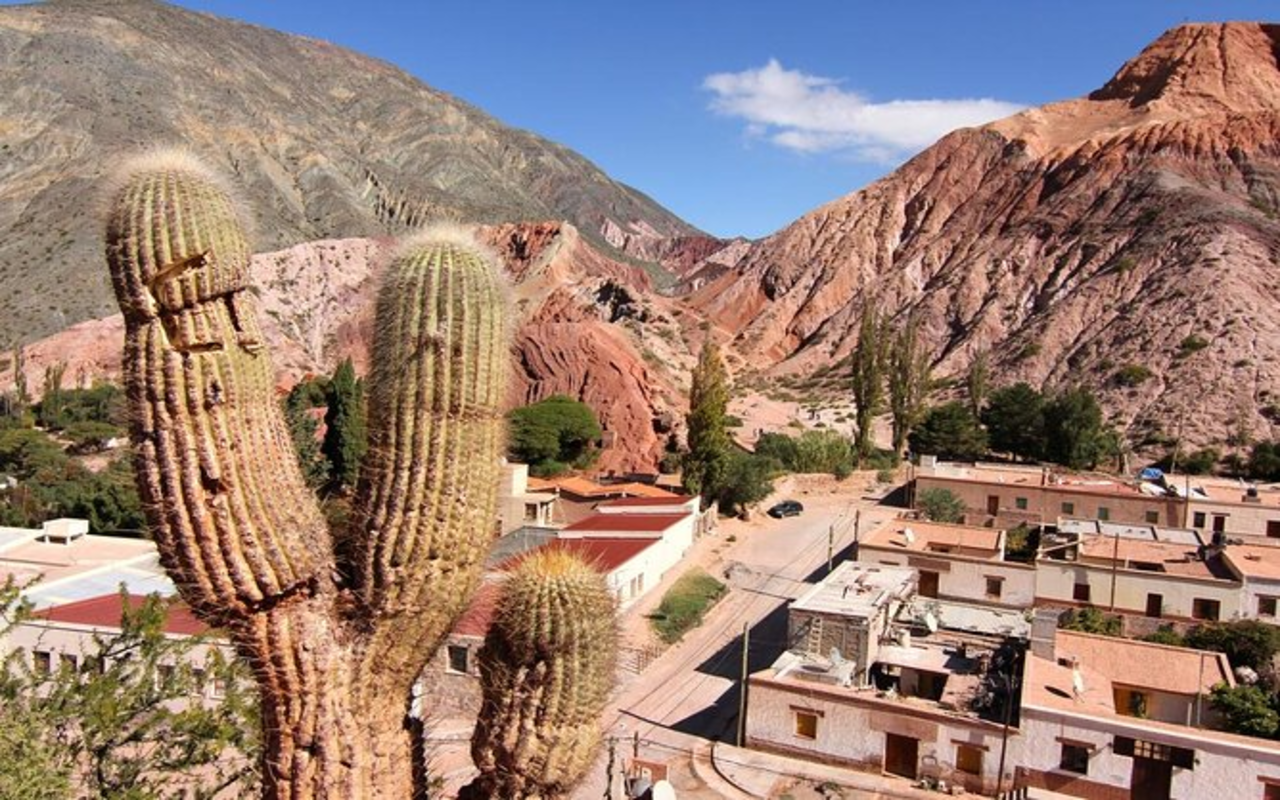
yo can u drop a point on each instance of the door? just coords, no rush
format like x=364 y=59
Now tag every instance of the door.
x=1152 y=780
x=993 y=505
x=1155 y=604
x=928 y=584
x=900 y=755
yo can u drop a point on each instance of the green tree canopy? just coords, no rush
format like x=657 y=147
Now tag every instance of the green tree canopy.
x=1264 y=461
x=748 y=480
x=940 y=505
x=1247 y=642
x=345 y=438
x=949 y=431
x=706 y=465
x=1074 y=430
x=554 y=434
x=910 y=379
x=868 y=365
x=1246 y=710
x=1014 y=416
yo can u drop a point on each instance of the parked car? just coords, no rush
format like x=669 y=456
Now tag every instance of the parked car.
x=787 y=508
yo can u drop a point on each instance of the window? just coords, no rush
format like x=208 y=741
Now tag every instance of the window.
x=969 y=759
x=1130 y=702
x=1271 y=791
x=1152 y=517
x=1074 y=758
x=42 y=662
x=1273 y=528
x=166 y=676
x=1080 y=593
x=806 y=724
x=1068 y=508
x=1198 y=520
x=217 y=689
x=1219 y=523
x=1205 y=609
x=458 y=658
x=1104 y=513
x=530 y=512
x=1021 y=503
x=197 y=682
x=1266 y=606
x=994 y=587
x=69 y=661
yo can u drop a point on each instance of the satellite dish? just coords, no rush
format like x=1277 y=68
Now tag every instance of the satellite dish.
x=930 y=622
x=663 y=791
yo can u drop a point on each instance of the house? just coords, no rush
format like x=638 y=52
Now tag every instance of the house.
x=670 y=527
x=1142 y=571
x=1107 y=718
x=578 y=498
x=518 y=506
x=864 y=686
x=1257 y=567
x=954 y=562
x=1231 y=507
x=61 y=562
x=1008 y=496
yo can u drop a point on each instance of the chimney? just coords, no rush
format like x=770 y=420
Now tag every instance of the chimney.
x=1044 y=632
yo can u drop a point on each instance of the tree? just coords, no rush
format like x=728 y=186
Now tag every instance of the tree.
x=748 y=480
x=554 y=434
x=707 y=463
x=302 y=432
x=978 y=381
x=1246 y=710
x=940 y=505
x=780 y=447
x=124 y=725
x=1264 y=461
x=1090 y=620
x=345 y=437
x=1014 y=416
x=334 y=640
x=909 y=381
x=49 y=412
x=868 y=366
x=1073 y=429
x=1247 y=642
x=949 y=431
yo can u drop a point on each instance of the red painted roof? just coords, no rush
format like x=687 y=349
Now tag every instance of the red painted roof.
x=606 y=555
x=104 y=612
x=476 y=619
x=614 y=523
x=667 y=500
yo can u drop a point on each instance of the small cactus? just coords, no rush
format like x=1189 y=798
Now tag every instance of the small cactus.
x=335 y=628
x=546 y=670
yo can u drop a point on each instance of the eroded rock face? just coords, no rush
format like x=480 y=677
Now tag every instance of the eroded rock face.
x=317 y=308
x=1070 y=240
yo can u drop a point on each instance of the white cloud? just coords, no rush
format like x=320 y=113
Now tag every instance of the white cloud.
x=812 y=114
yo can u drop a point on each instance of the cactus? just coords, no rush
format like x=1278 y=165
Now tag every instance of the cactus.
x=546 y=670
x=335 y=636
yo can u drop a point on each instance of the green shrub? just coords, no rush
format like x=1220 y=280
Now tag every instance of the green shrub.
x=1132 y=375
x=685 y=604
x=1090 y=620
x=940 y=505
x=885 y=476
x=1192 y=344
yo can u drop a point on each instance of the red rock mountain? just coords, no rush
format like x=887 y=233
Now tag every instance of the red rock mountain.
x=1123 y=229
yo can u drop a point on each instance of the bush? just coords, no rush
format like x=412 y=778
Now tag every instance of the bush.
x=1198 y=462
x=1246 y=710
x=886 y=476
x=1191 y=344
x=685 y=604
x=553 y=433
x=1166 y=634
x=1247 y=643
x=748 y=480
x=940 y=505
x=1089 y=620
x=1131 y=375
x=949 y=431
x=1264 y=461
x=1021 y=543
x=1074 y=432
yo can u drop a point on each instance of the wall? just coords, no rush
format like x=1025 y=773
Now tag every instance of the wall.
x=1055 y=582
x=1045 y=503
x=1226 y=768
x=852 y=729
x=962 y=578
x=1254 y=588
x=1245 y=519
x=448 y=694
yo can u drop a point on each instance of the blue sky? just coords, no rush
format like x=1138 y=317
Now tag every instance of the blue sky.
x=741 y=116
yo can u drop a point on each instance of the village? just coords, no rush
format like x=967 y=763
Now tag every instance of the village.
x=881 y=653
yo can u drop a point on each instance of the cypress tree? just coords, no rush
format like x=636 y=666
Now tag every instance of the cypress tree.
x=345 y=440
x=868 y=378
x=707 y=462
x=909 y=379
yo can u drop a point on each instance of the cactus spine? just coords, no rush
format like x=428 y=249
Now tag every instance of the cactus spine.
x=336 y=636
x=546 y=670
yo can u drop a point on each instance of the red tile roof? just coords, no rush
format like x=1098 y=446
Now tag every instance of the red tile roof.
x=616 y=523
x=104 y=612
x=667 y=499
x=476 y=619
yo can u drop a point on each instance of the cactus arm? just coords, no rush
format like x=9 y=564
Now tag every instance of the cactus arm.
x=232 y=518
x=428 y=488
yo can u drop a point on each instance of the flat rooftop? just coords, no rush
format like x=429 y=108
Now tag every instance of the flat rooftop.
x=1146 y=665
x=1165 y=557
x=934 y=537
x=1254 y=560
x=1031 y=477
x=1151 y=533
x=969 y=618
x=858 y=590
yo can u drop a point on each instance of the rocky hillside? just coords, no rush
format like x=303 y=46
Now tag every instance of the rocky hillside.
x=1129 y=241
x=322 y=142
x=589 y=326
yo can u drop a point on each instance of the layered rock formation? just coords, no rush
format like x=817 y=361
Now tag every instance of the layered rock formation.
x=1072 y=240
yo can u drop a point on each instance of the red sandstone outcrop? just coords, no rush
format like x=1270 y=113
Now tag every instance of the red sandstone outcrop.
x=1071 y=240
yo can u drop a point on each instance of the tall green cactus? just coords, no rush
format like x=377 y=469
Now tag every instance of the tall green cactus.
x=336 y=636
x=546 y=670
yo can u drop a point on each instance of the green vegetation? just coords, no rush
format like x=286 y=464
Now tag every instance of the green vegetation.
x=949 y=431
x=811 y=452
x=1197 y=462
x=748 y=480
x=304 y=396
x=1090 y=620
x=710 y=448
x=978 y=381
x=122 y=723
x=868 y=365
x=1021 y=543
x=1264 y=461
x=1247 y=710
x=1073 y=429
x=345 y=436
x=940 y=505
x=1132 y=375
x=554 y=435
x=685 y=604
x=1014 y=417
x=909 y=382
x=1191 y=344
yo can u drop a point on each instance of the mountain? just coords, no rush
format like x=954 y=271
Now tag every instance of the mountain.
x=322 y=142
x=1128 y=241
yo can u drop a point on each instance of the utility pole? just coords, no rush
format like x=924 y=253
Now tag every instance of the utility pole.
x=857 y=525
x=831 y=545
x=1010 y=682
x=608 y=770
x=742 y=696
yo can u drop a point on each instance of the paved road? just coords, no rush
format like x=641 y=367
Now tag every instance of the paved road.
x=690 y=693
